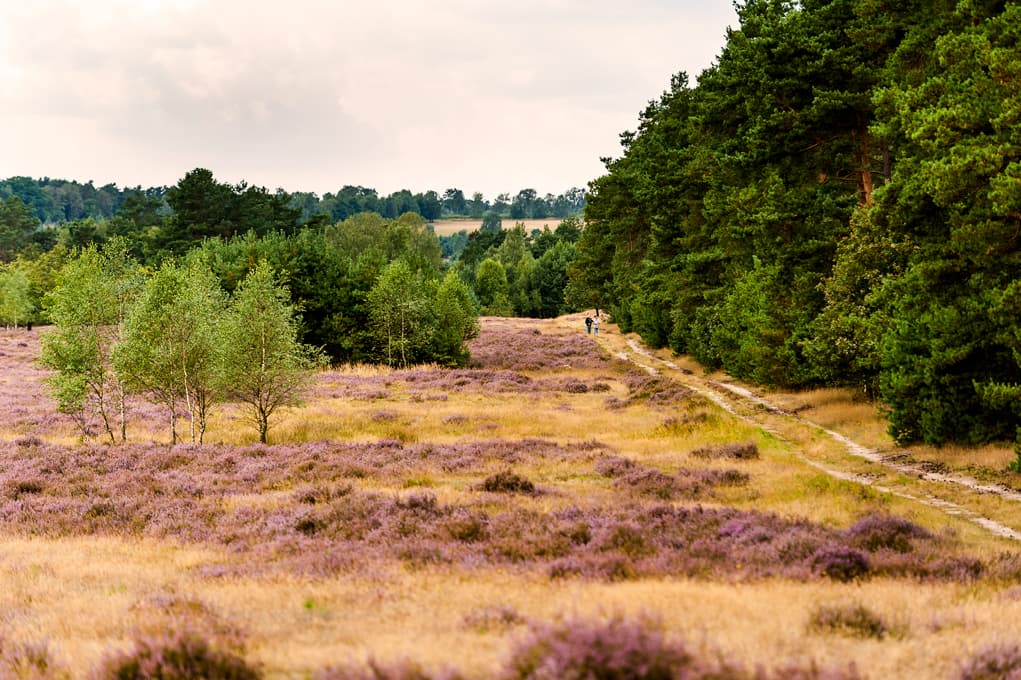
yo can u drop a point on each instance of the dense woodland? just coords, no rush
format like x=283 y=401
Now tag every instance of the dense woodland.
x=837 y=201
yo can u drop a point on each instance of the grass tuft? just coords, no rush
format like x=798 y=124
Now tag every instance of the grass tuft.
x=851 y=620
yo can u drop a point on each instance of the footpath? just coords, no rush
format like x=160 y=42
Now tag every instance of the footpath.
x=994 y=507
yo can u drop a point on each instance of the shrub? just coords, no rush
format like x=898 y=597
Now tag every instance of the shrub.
x=421 y=501
x=841 y=563
x=879 y=531
x=575 y=386
x=851 y=620
x=182 y=656
x=652 y=482
x=617 y=649
x=957 y=569
x=728 y=477
x=997 y=662
x=615 y=466
x=467 y=526
x=321 y=494
x=507 y=482
x=737 y=451
x=25 y=487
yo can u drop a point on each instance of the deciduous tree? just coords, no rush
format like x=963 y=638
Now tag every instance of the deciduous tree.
x=170 y=344
x=263 y=364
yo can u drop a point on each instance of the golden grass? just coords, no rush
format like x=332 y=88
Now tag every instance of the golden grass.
x=448 y=227
x=88 y=596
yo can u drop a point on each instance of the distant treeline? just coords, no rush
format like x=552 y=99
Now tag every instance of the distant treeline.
x=837 y=202
x=332 y=268
x=56 y=201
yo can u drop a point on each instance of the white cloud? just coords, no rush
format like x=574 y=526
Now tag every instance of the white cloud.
x=312 y=94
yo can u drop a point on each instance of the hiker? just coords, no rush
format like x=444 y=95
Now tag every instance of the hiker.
x=595 y=326
x=588 y=325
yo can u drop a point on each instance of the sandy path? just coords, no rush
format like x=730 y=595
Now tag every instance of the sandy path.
x=946 y=491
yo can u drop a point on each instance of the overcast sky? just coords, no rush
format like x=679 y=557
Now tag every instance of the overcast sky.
x=310 y=95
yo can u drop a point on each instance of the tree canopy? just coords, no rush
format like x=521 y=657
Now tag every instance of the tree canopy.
x=834 y=202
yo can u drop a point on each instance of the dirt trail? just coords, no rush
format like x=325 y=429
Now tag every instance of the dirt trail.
x=928 y=486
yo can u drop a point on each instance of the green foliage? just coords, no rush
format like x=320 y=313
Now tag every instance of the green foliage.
x=16 y=304
x=17 y=224
x=262 y=364
x=170 y=344
x=400 y=314
x=204 y=207
x=948 y=310
x=491 y=222
x=412 y=318
x=456 y=322
x=845 y=143
x=492 y=288
x=88 y=307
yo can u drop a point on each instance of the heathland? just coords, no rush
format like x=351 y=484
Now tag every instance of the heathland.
x=566 y=500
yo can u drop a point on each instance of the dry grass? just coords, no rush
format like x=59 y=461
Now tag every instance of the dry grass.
x=448 y=227
x=86 y=593
x=86 y=596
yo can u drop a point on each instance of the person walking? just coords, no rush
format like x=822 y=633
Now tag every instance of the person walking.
x=588 y=325
x=595 y=326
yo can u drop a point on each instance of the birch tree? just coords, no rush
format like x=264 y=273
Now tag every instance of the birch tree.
x=264 y=367
x=88 y=307
x=400 y=313
x=169 y=349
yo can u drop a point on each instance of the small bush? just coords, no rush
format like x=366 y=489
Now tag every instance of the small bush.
x=728 y=477
x=878 y=532
x=957 y=569
x=422 y=501
x=998 y=662
x=575 y=386
x=321 y=494
x=25 y=487
x=615 y=403
x=652 y=482
x=851 y=620
x=735 y=451
x=467 y=527
x=615 y=466
x=618 y=649
x=507 y=482
x=840 y=562
x=175 y=657
x=308 y=524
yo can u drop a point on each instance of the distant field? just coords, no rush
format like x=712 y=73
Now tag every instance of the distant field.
x=448 y=227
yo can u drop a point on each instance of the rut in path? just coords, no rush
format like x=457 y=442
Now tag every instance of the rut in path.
x=730 y=397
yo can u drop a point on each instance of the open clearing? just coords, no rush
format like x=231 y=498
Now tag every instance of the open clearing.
x=438 y=516
x=448 y=227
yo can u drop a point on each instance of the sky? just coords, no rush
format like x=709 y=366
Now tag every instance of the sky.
x=492 y=96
